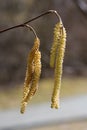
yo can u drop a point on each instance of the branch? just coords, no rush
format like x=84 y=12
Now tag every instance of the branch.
x=25 y=23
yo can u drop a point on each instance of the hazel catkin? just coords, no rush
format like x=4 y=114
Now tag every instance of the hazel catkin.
x=58 y=68
x=36 y=76
x=56 y=38
x=32 y=74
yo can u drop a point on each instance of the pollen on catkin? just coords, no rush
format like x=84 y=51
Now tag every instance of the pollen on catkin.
x=32 y=73
x=58 y=68
x=56 y=38
x=36 y=76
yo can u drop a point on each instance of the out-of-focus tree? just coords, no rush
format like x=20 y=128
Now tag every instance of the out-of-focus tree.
x=81 y=5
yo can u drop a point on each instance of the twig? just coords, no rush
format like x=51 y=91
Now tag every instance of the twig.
x=24 y=24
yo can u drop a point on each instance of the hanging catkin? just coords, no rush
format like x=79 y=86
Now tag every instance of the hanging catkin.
x=58 y=67
x=56 y=38
x=32 y=74
x=36 y=76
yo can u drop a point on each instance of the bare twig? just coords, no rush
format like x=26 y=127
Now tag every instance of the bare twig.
x=25 y=23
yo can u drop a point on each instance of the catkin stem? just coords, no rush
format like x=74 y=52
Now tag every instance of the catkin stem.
x=31 y=28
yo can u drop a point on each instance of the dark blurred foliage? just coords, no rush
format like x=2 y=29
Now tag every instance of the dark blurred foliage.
x=15 y=44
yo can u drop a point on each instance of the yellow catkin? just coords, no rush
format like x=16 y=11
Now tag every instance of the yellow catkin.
x=56 y=38
x=28 y=78
x=58 y=69
x=36 y=76
x=30 y=72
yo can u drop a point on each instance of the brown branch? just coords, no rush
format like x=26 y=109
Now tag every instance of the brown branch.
x=24 y=24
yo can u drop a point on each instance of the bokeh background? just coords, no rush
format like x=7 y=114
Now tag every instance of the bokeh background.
x=16 y=44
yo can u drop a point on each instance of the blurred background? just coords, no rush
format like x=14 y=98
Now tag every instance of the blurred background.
x=16 y=44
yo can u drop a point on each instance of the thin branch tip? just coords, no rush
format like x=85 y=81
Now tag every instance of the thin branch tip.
x=26 y=23
x=31 y=29
x=56 y=13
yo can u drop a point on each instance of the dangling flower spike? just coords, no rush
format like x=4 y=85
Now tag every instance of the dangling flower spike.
x=32 y=74
x=56 y=38
x=57 y=56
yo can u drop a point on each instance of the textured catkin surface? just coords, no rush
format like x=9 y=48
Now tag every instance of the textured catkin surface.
x=55 y=43
x=35 y=77
x=61 y=41
x=32 y=74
